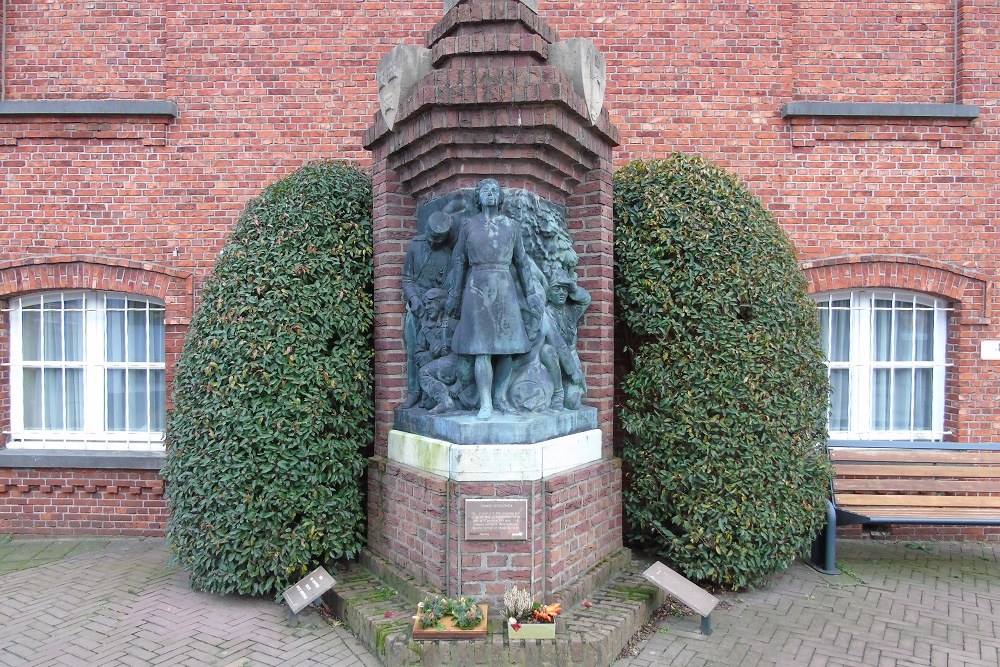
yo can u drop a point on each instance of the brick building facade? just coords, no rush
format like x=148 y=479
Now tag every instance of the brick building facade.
x=133 y=133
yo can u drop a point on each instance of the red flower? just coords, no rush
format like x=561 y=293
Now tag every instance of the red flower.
x=587 y=604
x=516 y=626
x=390 y=614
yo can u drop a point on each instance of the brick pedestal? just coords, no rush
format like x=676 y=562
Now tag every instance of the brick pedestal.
x=417 y=522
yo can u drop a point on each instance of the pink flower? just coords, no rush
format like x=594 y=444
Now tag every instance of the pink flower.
x=587 y=604
x=390 y=614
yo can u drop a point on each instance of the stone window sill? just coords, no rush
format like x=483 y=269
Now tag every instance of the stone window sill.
x=21 y=108
x=66 y=458
x=879 y=110
x=914 y=444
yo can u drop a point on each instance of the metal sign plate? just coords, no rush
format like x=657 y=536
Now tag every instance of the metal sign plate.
x=311 y=587
x=694 y=596
x=492 y=519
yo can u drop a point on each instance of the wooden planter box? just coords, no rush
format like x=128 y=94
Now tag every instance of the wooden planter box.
x=532 y=631
x=447 y=629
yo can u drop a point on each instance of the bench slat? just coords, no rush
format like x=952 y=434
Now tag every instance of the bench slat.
x=914 y=455
x=897 y=500
x=939 y=471
x=942 y=514
x=910 y=484
x=918 y=485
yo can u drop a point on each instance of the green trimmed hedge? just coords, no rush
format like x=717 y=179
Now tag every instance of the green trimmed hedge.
x=273 y=405
x=726 y=397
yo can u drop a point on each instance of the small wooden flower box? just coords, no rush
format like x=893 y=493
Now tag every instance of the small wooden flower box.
x=532 y=631
x=447 y=629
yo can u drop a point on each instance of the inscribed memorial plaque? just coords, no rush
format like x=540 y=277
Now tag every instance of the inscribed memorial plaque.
x=490 y=519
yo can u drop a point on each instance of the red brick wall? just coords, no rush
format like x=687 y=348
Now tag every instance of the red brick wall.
x=87 y=49
x=407 y=521
x=584 y=525
x=923 y=533
x=874 y=52
x=82 y=502
x=263 y=87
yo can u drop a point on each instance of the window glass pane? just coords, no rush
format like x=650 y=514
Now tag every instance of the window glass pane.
x=880 y=399
x=73 y=321
x=824 y=330
x=904 y=334
x=52 y=335
x=32 y=393
x=136 y=335
x=115 y=335
x=136 y=305
x=882 y=335
x=53 y=300
x=157 y=400
x=74 y=399
x=112 y=302
x=73 y=304
x=138 y=400
x=840 y=338
x=840 y=399
x=923 y=399
x=53 y=400
x=925 y=335
x=156 y=335
x=31 y=335
x=115 y=398
x=902 y=399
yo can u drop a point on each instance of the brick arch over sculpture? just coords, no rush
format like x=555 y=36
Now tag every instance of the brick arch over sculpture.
x=966 y=289
x=107 y=274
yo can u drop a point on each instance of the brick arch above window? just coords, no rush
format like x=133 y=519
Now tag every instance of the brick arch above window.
x=173 y=287
x=969 y=290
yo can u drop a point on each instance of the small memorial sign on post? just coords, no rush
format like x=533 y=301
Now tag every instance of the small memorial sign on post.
x=689 y=593
x=299 y=595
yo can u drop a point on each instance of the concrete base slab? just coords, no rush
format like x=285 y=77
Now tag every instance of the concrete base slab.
x=465 y=428
x=494 y=462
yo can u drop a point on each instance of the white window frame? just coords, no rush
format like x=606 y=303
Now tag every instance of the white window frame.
x=861 y=364
x=94 y=435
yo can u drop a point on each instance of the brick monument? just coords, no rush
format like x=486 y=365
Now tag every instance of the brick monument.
x=493 y=463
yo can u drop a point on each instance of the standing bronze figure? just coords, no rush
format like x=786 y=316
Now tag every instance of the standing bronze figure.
x=488 y=262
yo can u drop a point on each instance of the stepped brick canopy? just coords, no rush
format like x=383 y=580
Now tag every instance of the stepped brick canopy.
x=492 y=107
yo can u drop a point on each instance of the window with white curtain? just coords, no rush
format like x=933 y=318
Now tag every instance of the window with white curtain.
x=886 y=358
x=87 y=371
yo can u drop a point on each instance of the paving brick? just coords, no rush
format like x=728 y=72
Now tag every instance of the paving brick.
x=123 y=605
x=938 y=607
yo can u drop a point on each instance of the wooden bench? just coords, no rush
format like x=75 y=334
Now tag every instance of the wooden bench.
x=883 y=485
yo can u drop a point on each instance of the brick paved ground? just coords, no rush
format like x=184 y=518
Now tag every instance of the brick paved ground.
x=896 y=605
x=119 y=602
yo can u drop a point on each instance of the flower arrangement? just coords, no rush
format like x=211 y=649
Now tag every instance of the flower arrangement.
x=465 y=613
x=523 y=614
